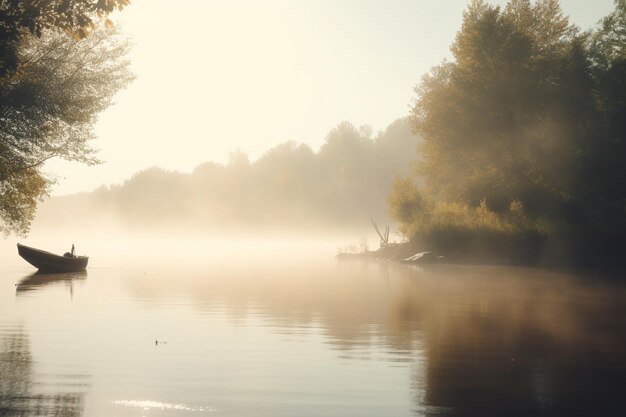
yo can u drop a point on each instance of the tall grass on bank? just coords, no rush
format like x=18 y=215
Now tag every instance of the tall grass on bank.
x=462 y=232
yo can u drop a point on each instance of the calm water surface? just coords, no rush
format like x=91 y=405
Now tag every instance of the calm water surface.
x=243 y=331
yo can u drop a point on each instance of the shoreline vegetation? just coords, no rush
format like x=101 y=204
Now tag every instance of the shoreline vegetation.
x=290 y=187
x=538 y=254
x=520 y=141
x=455 y=234
x=521 y=158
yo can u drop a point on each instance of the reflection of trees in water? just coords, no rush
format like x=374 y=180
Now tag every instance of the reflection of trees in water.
x=515 y=344
x=21 y=394
x=15 y=371
x=480 y=340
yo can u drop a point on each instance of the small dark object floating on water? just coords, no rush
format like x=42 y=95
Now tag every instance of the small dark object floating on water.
x=50 y=262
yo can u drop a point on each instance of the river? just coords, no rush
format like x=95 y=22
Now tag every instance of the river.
x=285 y=329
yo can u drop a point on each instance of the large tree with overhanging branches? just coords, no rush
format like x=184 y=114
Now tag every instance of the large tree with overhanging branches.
x=62 y=63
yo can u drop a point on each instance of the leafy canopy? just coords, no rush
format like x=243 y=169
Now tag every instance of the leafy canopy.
x=48 y=108
x=531 y=113
x=20 y=18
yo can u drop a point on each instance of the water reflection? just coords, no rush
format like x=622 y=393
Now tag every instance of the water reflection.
x=520 y=342
x=481 y=340
x=309 y=337
x=39 y=280
x=23 y=394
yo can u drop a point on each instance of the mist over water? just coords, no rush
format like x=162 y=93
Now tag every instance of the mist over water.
x=216 y=290
x=219 y=293
x=290 y=190
x=282 y=328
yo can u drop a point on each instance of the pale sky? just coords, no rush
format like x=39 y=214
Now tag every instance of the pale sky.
x=214 y=76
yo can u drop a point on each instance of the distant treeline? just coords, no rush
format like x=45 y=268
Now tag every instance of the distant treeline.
x=344 y=183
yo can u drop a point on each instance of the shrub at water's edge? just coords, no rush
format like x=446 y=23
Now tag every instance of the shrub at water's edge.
x=464 y=233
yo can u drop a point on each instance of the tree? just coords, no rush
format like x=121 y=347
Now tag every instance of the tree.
x=48 y=108
x=509 y=115
x=490 y=119
x=21 y=18
x=528 y=115
x=609 y=42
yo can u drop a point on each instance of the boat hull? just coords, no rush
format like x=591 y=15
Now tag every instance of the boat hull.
x=50 y=262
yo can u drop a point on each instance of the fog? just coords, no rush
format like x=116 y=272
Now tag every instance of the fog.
x=291 y=190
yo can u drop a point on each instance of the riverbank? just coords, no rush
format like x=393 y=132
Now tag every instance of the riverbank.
x=549 y=255
x=400 y=252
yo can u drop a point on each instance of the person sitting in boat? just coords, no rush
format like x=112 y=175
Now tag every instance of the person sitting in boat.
x=70 y=254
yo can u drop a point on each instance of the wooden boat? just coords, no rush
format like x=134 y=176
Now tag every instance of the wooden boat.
x=50 y=262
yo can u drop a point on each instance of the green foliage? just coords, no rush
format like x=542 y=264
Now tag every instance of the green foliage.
x=530 y=113
x=18 y=201
x=442 y=215
x=23 y=18
x=490 y=119
x=467 y=233
x=48 y=108
x=405 y=202
x=608 y=44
